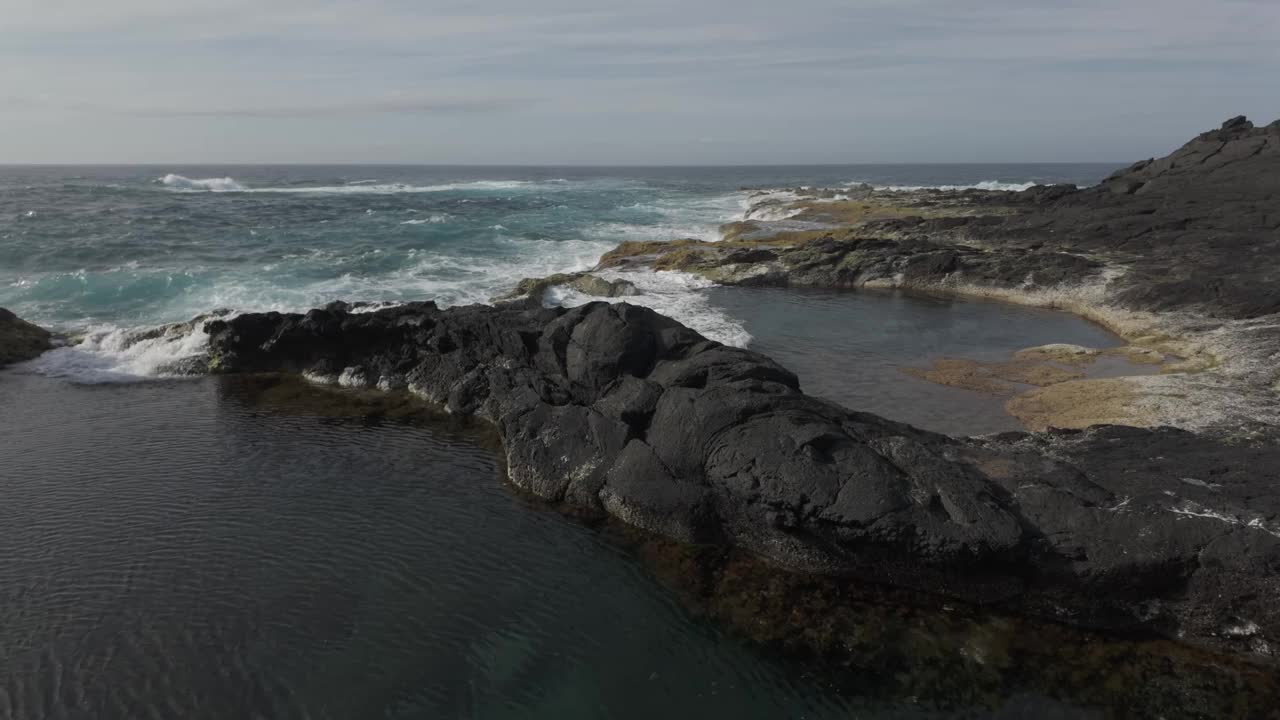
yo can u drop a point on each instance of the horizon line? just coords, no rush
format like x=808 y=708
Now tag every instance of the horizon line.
x=549 y=165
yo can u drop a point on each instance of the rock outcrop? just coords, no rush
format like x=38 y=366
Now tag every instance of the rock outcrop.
x=1197 y=230
x=20 y=340
x=1176 y=254
x=585 y=283
x=614 y=409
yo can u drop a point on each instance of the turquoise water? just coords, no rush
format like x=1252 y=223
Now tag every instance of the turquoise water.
x=90 y=246
x=101 y=250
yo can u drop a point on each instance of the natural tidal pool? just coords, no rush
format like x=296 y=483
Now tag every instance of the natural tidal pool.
x=852 y=347
x=238 y=548
x=187 y=550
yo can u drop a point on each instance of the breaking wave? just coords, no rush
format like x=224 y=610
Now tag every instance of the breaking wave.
x=436 y=219
x=223 y=184
x=358 y=187
x=674 y=294
x=984 y=185
x=108 y=354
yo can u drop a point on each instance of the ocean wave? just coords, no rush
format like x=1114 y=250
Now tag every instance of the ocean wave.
x=984 y=185
x=771 y=205
x=110 y=354
x=359 y=187
x=223 y=184
x=617 y=232
x=436 y=219
x=674 y=294
x=400 y=188
x=699 y=218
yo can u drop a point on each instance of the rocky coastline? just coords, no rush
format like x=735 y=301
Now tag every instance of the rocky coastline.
x=616 y=410
x=1173 y=254
x=1167 y=526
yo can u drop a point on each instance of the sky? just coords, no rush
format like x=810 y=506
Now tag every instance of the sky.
x=604 y=82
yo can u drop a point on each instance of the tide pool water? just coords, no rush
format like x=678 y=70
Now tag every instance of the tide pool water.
x=101 y=249
x=211 y=549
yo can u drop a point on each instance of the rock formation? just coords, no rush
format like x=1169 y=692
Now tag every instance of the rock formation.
x=20 y=340
x=616 y=409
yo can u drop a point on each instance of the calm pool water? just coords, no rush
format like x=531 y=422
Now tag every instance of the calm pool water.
x=180 y=550
x=244 y=548
x=851 y=347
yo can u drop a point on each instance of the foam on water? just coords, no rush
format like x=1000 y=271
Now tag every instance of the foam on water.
x=674 y=294
x=103 y=264
x=432 y=220
x=223 y=184
x=984 y=185
x=359 y=187
x=109 y=354
x=677 y=219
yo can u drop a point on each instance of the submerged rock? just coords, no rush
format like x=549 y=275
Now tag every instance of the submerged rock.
x=614 y=409
x=20 y=340
x=1059 y=352
x=997 y=378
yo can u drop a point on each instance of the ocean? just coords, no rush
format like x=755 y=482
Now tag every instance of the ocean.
x=98 y=250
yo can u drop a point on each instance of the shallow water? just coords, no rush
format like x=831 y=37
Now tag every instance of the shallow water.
x=851 y=347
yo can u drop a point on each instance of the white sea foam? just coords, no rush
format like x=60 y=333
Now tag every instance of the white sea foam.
x=447 y=275
x=984 y=185
x=111 y=354
x=359 y=187
x=398 y=188
x=223 y=184
x=231 y=185
x=698 y=218
x=674 y=294
x=772 y=205
x=436 y=219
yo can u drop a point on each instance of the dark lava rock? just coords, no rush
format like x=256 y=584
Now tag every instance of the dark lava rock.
x=20 y=340
x=1197 y=231
x=614 y=409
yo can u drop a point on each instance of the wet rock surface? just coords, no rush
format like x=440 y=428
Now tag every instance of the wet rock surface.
x=616 y=410
x=20 y=340
x=533 y=289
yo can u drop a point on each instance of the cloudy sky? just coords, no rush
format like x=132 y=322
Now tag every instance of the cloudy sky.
x=640 y=81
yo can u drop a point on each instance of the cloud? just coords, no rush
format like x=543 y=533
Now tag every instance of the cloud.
x=583 y=79
x=347 y=108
